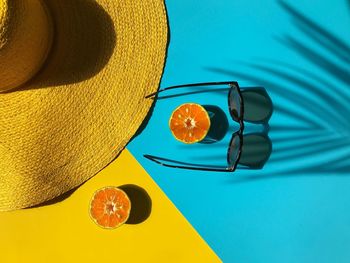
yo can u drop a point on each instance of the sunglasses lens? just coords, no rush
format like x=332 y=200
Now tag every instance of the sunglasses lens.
x=234 y=104
x=233 y=151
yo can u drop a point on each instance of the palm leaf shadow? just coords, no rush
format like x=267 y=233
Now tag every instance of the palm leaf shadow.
x=322 y=102
x=336 y=46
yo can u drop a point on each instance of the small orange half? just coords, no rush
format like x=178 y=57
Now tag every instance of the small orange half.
x=189 y=123
x=110 y=207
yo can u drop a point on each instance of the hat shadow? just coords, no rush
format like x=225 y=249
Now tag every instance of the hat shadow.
x=55 y=200
x=84 y=39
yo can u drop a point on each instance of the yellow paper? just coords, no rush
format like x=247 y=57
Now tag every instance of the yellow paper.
x=64 y=232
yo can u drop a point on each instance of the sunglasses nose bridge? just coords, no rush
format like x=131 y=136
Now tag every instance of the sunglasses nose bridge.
x=236 y=105
x=235 y=149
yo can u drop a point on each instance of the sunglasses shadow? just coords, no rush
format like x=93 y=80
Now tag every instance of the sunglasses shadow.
x=256 y=151
x=258 y=106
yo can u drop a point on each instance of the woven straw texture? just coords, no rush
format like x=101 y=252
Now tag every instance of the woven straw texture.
x=81 y=109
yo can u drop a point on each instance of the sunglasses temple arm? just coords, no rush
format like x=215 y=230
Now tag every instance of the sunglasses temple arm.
x=152 y=95
x=165 y=162
x=189 y=85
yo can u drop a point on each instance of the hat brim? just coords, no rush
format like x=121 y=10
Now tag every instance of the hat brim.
x=86 y=103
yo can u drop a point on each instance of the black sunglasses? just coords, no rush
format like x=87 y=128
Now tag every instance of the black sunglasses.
x=259 y=111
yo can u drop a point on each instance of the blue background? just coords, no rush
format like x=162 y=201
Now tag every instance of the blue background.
x=296 y=209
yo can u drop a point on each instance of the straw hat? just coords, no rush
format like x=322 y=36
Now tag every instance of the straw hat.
x=73 y=77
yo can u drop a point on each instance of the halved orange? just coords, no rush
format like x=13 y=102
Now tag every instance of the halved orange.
x=110 y=207
x=189 y=123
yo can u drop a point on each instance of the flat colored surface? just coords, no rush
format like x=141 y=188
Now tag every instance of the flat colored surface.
x=297 y=208
x=64 y=232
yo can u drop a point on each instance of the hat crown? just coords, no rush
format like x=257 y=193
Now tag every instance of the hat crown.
x=25 y=39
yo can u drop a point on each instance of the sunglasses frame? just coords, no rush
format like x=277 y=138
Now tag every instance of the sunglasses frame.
x=227 y=169
x=233 y=87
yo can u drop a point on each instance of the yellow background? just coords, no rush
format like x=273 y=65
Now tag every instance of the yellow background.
x=64 y=232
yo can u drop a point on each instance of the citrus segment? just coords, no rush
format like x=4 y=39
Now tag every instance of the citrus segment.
x=110 y=207
x=189 y=123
